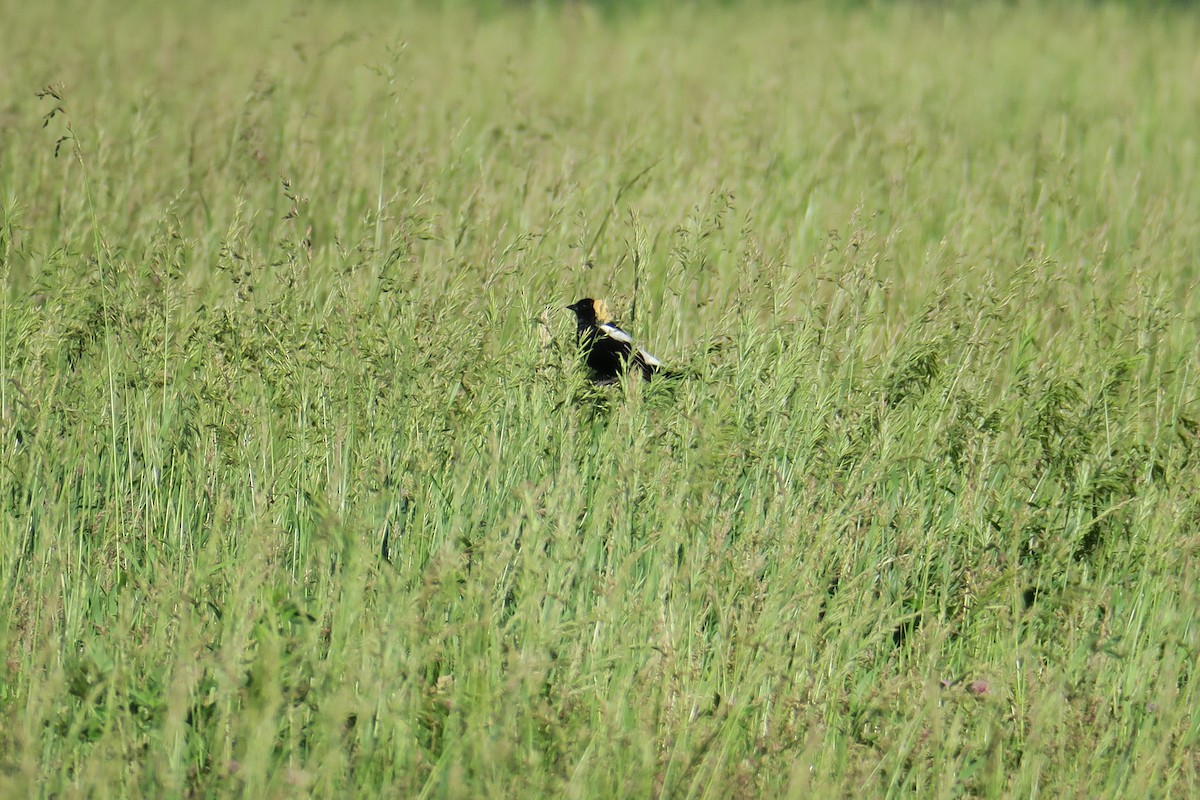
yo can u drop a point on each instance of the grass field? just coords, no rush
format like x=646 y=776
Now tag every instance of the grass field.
x=303 y=491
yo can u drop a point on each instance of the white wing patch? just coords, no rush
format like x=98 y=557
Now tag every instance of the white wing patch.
x=618 y=335
x=613 y=332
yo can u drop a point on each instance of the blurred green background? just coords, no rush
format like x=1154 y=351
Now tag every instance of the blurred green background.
x=303 y=491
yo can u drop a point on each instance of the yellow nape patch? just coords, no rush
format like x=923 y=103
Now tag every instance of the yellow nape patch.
x=602 y=314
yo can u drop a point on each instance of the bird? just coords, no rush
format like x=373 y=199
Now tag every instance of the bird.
x=610 y=350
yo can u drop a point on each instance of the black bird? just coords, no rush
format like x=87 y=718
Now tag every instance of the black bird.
x=609 y=349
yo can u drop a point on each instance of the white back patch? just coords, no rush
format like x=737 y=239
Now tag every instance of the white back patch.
x=649 y=359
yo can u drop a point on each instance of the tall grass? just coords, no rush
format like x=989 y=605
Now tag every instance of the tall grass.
x=303 y=491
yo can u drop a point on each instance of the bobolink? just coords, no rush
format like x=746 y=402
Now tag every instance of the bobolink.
x=609 y=349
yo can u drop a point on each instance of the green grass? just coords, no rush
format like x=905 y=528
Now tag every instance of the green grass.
x=298 y=497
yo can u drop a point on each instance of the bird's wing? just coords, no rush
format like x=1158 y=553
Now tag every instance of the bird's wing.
x=618 y=335
x=613 y=332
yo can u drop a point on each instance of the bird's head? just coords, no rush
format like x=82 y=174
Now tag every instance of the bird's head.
x=585 y=310
x=589 y=311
